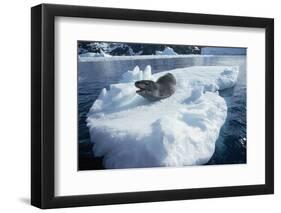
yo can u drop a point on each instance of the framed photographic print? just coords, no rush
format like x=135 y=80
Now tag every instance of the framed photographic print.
x=139 y=106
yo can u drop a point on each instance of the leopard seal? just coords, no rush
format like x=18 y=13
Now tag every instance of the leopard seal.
x=164 y=87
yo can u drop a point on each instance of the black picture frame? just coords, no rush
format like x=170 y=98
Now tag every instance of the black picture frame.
x=43 y=102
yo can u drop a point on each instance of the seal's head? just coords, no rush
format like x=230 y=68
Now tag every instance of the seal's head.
x=146 y=88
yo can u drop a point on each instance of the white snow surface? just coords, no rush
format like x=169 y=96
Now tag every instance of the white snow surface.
x=131 y=132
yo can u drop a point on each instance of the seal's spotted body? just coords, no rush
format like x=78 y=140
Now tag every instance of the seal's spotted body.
x=164 y=87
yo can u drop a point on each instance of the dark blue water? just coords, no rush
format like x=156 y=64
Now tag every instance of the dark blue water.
x=94 y=76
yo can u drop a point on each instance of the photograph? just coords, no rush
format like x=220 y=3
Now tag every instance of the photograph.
x=141 y=105
x=146 y=105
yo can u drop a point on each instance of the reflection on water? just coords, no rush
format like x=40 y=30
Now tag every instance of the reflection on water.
x=94 y=76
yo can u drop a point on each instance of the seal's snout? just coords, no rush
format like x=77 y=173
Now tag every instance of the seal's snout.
x=144 y=85
x=140 y=85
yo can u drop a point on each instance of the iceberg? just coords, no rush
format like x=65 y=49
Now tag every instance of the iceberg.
x=130 y=132
x=166 y=51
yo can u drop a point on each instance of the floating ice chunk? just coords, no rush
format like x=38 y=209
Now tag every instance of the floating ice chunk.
x=227 y=78
x=129 y=131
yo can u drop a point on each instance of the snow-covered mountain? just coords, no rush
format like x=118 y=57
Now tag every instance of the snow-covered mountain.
x=105 y=49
